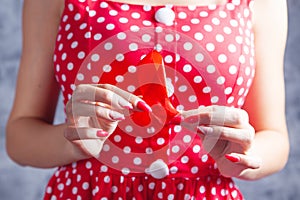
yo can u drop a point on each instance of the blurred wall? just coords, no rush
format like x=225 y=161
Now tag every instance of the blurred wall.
x=28 y=183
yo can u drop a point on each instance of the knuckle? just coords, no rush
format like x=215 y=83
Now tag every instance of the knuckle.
x=207 y=117
x=107 y=86
x=226 y=133
x=104 y=86
x=209 y=114
x=240 y=117
x=97 y=112
x=213 y=108
x=248 y=138
x=237 y=117
x=247 y=141
x=252 y=132
x=108 y=95
x=243 y=117
x=215 y=114
x=82 y=88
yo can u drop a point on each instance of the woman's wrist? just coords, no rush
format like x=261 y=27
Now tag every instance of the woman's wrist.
x=266 y=145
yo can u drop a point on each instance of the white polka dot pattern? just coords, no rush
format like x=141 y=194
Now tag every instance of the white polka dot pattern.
x=209 y=58
x=115 y=186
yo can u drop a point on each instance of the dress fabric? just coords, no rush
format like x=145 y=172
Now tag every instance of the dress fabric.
x=208 y=53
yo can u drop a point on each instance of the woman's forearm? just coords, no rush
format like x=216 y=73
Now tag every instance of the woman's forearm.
x=273 y=149
x=35 y=143
x=32 y=142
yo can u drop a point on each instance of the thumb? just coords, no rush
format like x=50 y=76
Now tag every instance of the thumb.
x=249 y=161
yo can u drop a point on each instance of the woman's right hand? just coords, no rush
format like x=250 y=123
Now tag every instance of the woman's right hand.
x=93 y=113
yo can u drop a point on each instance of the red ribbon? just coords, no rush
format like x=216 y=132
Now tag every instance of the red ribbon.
x=151 y=76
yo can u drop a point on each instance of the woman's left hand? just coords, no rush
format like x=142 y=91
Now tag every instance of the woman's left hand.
x=227 y=136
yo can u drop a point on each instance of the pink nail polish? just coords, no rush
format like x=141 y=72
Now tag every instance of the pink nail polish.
x=176 y=120
x=143 y=106
x=128 y=107
x=232 y=158
x=125 y=104
x=101 y=133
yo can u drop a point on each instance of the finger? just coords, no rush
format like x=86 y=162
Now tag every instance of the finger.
x=75 y=133
x=249 y=161
x=244 y=137
x=110 y=95
x=217 y=115
x=92 y=110
x=104 y=96
x=134 y=100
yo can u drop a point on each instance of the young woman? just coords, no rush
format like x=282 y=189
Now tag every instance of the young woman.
x=163 y=99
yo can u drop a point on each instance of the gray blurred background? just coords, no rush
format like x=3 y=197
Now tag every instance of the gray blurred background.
x=28 y=183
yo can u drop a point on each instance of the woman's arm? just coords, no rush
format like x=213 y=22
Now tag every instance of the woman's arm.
x=31 y=137
x=266 y=100
x=252 y=142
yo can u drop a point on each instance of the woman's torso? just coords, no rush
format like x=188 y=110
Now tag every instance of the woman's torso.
x=209 y=57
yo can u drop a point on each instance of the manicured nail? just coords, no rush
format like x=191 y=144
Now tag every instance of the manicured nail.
x=143 y=106
x=128 y=107
x=176 y=120
x=205 y=130
x=126 y=104
x=232 y=158
x=116 y=116
x=101 y=133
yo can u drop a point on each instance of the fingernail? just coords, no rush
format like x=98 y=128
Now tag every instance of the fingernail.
x=116 y=116
x=205 y=130
x=232 y=158
x=101 y=133
x=126 y=105
x=176 y=120
x=143 y=106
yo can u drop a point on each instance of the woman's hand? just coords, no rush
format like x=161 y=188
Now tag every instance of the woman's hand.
x=93 y=114
x=227 y=137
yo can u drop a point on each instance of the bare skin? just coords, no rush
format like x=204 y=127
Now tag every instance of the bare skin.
x=256 y=135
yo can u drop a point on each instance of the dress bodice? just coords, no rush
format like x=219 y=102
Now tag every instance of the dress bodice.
x=208 y=52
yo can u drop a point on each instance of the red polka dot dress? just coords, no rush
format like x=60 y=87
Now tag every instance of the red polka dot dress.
x=208 y=54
